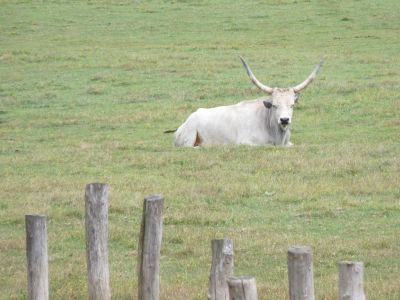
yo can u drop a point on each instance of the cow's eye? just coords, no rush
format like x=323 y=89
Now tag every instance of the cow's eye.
x=296 y=97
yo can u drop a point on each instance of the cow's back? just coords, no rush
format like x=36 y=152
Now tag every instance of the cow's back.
x=241 y=123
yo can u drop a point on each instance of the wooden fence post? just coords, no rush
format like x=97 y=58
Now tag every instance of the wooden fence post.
x=242 y=288
x=221 y=269
x=96 y=224
x=36 y=253
x=301 y=281
x=149 y=248
x=351 y=280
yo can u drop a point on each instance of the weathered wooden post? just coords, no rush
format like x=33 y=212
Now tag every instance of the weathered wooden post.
x=36 y=253
x=351 y=285
x=221 y=269
x=96 y=223
x=301 y=281
x=149 y=248
x=242 y=288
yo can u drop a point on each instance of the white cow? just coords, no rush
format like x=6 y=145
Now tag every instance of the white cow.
x=253 y=122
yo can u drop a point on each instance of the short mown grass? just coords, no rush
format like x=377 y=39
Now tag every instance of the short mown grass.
x=87 y=89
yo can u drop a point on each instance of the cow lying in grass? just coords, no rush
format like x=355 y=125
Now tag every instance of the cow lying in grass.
x=252 y=122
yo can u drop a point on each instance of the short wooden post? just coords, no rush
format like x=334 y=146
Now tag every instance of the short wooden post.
x=36 y=253
x=221 y=269
x=242 y=288
x=301 y=281
x=96 y=223
x=149 y=248
x=351 y=285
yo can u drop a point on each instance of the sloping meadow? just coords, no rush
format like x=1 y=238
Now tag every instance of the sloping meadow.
x=88 y=88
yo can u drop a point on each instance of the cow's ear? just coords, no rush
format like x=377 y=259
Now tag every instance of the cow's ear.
x=296 y=97
x=267 y=104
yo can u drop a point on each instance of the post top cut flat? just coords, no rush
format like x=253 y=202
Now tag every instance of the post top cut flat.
x=154 y=197
x=299 y=249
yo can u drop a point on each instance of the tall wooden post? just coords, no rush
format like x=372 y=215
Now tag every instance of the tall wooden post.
x=351 y=285
x=242 y=288
x=221 y=269
x=96 y=223
x=149 y=248
x=36 y=253
x=301 y=281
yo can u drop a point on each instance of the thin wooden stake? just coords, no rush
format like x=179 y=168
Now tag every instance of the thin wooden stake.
x=96 y=223
x=351 y=285
x=36 y=253
x=301 y=281
x=221 y=269
x=242 y=288
x=149 y=248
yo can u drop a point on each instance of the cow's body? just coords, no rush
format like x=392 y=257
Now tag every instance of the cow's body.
x=254 y=122
x=247 y=122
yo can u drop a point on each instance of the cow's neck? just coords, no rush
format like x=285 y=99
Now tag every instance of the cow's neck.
x=282 y=137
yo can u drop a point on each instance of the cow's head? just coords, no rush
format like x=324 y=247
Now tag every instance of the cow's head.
x=283 y=99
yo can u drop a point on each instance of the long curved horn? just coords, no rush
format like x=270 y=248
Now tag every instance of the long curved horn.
x=253 y=78
x=310 y=78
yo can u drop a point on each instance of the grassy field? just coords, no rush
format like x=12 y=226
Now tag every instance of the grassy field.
x=88 y=87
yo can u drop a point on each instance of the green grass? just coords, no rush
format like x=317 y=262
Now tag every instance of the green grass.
x=87 y=89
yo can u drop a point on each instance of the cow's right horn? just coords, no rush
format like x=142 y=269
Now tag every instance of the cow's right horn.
x=310 y=78
x=253 y=78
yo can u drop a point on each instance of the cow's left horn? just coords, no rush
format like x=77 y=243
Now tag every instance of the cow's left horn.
x=253 y=78
x=310 y=78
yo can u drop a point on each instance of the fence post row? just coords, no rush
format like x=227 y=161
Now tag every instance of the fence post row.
x=222 y=284
x=221 y=269
x=242 y=288
x=300 y=271
x=96 y=224
x=149 y=248
x=351 y=280
x=36 y=254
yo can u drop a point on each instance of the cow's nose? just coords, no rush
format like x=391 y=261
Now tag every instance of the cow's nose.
x=284 y=121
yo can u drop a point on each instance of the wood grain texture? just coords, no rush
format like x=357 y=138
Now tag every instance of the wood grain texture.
x=149 y=248
x=221 y=269
x=37 y=257
x=351 y=286
x=242 y=288
x=300 y=271
x=96 y=224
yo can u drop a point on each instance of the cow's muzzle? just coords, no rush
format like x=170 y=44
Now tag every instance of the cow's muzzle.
x=284 y=123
